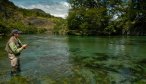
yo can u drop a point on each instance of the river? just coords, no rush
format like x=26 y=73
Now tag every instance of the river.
x=52 y=59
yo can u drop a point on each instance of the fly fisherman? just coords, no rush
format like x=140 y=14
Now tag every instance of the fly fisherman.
x=14 y=48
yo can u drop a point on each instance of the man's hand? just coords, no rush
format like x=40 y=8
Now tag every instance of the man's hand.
x=24 y=46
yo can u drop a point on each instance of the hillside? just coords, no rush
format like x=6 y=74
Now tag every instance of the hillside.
x=27 y=20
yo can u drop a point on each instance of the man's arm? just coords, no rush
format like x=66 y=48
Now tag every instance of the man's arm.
x=14 y=48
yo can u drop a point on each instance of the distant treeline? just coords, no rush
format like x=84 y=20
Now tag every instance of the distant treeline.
x=107 y=17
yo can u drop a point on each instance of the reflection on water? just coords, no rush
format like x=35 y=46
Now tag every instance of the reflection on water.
x=78 y=60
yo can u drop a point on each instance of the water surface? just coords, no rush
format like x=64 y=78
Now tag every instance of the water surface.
x=78 y=60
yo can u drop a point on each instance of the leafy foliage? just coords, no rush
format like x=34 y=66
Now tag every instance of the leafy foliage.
x=107 y=17
x=60 y=27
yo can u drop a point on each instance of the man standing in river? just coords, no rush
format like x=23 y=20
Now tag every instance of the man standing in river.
x=14 y=48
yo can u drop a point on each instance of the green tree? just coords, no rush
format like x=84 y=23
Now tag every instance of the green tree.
x=87 y=17
x=137 y=17
x=111 y=17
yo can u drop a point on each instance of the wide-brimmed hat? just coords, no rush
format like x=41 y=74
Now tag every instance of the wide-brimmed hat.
x=15 y=31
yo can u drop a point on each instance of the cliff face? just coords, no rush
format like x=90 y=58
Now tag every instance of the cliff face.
x=26 y=20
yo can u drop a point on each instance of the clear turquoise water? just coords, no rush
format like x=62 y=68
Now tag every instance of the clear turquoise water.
x=52 y=60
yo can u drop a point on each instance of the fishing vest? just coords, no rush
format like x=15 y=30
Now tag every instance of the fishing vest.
x=17 y=43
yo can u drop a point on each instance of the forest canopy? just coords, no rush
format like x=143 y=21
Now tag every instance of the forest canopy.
x=107 y=17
